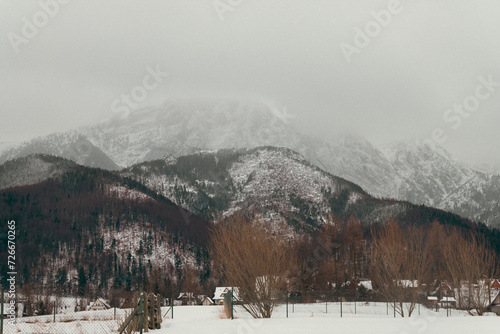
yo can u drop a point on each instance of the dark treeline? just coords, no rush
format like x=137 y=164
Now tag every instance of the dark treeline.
x=334 y=260
x=61 y=229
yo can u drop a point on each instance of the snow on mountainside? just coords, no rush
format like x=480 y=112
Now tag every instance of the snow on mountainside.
x=32 y=169
x=4 y=146
x=355 y=159
x=427 y=175
x=70 y=145
x=432 y=177
x=184 y=126
x=277 y=182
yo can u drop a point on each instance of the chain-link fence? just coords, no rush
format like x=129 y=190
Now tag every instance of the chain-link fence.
x=147 y=315
x=106 y=321
x=326 y=304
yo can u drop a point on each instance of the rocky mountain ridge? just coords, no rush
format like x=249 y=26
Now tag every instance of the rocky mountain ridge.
x=410 y=171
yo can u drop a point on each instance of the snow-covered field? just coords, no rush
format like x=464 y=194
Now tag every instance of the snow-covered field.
x=302 y=318
x=313 y=318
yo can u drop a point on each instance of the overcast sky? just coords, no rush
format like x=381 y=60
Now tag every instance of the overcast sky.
x=396 y=83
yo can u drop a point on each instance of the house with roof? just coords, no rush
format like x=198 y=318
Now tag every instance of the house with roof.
x=366 y=284
x=480 y=293
x=407 y=284
x=99 y=305
x=495 y=285
x=206 y=301
x=187 y=298
x=220 y=293
x=495 y=305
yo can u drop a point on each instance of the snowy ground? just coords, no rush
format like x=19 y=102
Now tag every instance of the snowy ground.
x=313 y=318
x=303 y=318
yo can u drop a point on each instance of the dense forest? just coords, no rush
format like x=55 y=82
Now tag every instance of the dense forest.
x=68 y=233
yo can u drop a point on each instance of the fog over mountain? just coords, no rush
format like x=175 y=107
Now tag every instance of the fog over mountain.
x=412 y=171
x=66 y=65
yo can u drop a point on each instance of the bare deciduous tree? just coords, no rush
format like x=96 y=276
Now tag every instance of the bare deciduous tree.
x=399 y=264
x=253 y=260
x=470 y=265
x=354 y=248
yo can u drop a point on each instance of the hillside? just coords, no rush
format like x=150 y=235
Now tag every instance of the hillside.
x=32 y=169
x=87 y=230
x=70 y=145
x=281 y=186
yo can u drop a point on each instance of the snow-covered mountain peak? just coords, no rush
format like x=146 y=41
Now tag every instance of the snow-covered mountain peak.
x=409 y=171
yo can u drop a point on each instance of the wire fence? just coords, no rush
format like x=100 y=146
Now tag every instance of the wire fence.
x=289 y=306
x=147 y=315
x=106 y=321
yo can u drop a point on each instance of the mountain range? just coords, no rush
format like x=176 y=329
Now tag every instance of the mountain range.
x=84 y=230
x=409 y=171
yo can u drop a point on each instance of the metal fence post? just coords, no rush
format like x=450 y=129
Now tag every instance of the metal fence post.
x=1 y=317
x=141 y=312
x=54 y=311
x=172 y=306
x=286 y=304
x=341 y=307
x=326 y=305
x=355 y=298
x=232 y=305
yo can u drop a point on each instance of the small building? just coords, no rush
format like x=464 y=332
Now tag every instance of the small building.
x=220 y=293
x=366 y=284
x=495 y=285
x=495 y=305
x=206 y=301
x=99 y=305
x=407 y=284
x=187 y=298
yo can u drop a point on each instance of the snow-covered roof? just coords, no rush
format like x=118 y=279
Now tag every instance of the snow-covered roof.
x=186 y=295
x=448 y=300
x=100 y=303
x=220 y=292
x=406 y=283
x=432 y=298
x=366 y=284
x=209 y=299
